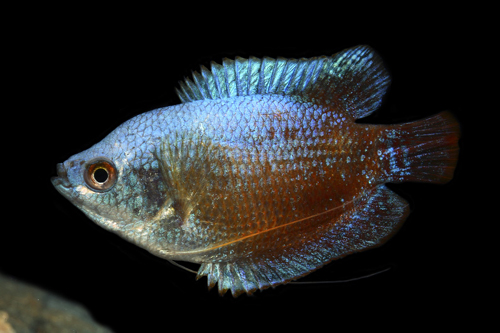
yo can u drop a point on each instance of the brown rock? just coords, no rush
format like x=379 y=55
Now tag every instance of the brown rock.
x=26 y=309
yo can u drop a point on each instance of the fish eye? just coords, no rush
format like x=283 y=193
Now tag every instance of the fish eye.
x=100 y=174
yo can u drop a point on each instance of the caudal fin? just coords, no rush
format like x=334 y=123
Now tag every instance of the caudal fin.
x=427 y=150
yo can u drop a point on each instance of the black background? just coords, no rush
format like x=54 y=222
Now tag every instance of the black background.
x=78 y=79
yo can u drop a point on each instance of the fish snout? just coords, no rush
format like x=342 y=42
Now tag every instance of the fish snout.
x=62 y=176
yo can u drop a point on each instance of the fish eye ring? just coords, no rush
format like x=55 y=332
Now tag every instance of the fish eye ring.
x=100 y=174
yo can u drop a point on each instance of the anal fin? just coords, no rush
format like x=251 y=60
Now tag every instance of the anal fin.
x=371 y=221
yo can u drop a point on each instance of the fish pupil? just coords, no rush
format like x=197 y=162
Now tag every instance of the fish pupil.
x=101 y=175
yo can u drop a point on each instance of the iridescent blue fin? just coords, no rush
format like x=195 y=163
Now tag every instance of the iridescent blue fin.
x=354 y=79
x=366 y=223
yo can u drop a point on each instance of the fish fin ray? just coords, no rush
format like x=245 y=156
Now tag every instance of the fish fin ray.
x=354 y=79
x=368 y=225
x=185 y=164
x=426 y=150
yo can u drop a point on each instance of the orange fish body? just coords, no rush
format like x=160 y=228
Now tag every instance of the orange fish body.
x=263 y=175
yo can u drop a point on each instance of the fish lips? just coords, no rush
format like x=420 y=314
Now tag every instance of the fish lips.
x=61 y=182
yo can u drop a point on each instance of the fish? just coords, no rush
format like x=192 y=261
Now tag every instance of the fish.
x=262 y=174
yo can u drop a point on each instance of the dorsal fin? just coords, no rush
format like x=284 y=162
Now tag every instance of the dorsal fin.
x=354 y=79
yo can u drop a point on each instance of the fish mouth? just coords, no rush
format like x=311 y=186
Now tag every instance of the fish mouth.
x=61 y=182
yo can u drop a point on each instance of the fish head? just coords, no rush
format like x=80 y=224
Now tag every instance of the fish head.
x=117 y=186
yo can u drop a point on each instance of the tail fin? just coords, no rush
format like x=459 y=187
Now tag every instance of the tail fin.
x=427 y=150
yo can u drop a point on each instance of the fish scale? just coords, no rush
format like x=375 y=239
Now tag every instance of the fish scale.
x=247 y=202
x=262 y=175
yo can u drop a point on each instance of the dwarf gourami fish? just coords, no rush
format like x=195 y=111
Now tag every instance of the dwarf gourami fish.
x=262 y=175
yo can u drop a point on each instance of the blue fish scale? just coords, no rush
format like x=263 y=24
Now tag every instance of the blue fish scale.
x=246 y=136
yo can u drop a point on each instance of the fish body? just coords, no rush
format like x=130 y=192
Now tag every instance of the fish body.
x=261 y=175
